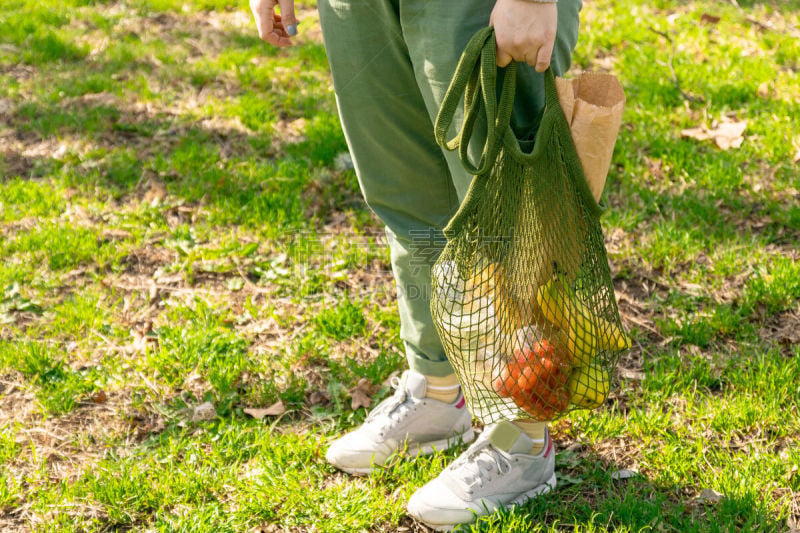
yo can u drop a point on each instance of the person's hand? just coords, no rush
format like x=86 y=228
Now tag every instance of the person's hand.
x=274 y=28
x=525 y=31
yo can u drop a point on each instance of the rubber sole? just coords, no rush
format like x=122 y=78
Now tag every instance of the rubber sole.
x=544 y=488
x=415 y=450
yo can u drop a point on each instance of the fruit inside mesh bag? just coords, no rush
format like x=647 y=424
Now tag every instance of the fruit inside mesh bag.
x=556 y=362
x=468 y=320
x=541 y=367
x=536 y=379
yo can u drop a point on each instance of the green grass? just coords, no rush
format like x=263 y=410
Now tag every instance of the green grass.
x=174 y=230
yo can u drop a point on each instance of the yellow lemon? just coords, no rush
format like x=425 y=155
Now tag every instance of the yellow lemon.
x=582 y=344
x=586 y=331
x=589 y=386
x=581 y=349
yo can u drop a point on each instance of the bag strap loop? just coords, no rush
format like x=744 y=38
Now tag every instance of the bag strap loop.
x=475 y=81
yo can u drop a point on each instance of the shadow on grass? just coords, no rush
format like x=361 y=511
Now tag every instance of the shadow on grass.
x=248 y=178
x=77 y=127
x=601 y=503
x=588 y=498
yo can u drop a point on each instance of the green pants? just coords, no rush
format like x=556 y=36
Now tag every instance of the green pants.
x=392 y=61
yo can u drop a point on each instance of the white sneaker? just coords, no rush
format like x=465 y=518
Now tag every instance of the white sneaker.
x=496 y=471
x=405 y=420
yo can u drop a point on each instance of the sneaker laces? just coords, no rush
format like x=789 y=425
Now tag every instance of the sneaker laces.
x=390 y=405
x=477 y=461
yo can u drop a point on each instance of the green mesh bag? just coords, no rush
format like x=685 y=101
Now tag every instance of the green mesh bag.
x=522 y=295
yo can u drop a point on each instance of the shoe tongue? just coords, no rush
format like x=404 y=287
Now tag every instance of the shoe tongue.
x=415 y=384
x=509 y=438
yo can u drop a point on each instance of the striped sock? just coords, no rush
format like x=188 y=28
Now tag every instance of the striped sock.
x=445 y=389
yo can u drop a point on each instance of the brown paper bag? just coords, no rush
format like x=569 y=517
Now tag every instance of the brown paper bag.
x=593 y=105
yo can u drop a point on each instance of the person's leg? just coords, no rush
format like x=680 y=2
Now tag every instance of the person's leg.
x=402 y=172
x=406 y=182
x=436 y=33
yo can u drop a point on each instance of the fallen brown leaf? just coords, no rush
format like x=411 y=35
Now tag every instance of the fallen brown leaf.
x=100 y=397
x=359 y=399
x=710 y=496
x=275 y=409
x=725 y=135
x=360 y=395
x=318 y=397
x=204 y=411
x=623 y=474
x=628 y=373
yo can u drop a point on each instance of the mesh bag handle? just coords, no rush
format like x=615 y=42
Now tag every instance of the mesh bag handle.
x=475 y=81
